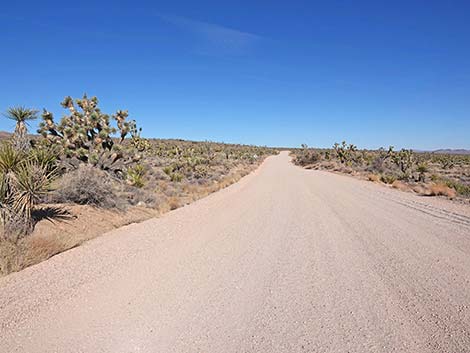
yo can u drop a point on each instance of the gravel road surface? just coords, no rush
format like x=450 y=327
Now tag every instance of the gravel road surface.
x=286 y=260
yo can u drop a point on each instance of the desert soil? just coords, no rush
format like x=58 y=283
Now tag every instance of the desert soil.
x=286 y=260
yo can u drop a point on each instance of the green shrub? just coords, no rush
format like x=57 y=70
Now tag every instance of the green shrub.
x=136 y=175
x=388 y=178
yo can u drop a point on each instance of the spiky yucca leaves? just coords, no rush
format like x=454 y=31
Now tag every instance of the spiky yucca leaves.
x=23 y=179
x=86 y=136
x=136 y=175
x=21 y=116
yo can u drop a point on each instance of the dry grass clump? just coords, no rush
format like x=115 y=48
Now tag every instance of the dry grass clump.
x=438 y=189
x=442 y=190
x=374 y=178
x=9 y=260
x=87 y=186
x=397 y=184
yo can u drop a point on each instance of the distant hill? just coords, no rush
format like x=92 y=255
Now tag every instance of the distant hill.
x=450 y=151
x=4 y=135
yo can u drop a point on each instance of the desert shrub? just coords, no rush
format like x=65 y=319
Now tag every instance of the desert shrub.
x=442 y=189
x=87 y=186
x=373 y=177
x=142 y=197
x=136 y=175
x=461 y=188
x=176 y=177
x=388 y=178
x=378 y=163
x=8 y=257
x=23 y=180
x=307 y=156
x=397 y=184
x=422 y=169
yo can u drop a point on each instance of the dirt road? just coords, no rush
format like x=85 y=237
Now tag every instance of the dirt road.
x=286 y=260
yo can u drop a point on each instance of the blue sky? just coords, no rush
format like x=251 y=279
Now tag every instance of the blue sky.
x=275 y=73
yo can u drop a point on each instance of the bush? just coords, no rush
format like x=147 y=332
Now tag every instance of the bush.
x=374 y=178
x=388 y=179
x=136 y=176
x=87 y=186
x=307 y=156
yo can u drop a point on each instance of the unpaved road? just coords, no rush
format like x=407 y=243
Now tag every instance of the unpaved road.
x=286 y=260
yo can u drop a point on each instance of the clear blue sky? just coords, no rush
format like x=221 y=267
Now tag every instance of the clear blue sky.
x=263 y=72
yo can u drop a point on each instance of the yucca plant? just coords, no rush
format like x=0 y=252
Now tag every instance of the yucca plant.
x=21 y=116
x=23 y=180
x=136 y=176
x=33 y=180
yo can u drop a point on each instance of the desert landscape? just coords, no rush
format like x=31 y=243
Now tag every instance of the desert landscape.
x=434 y=173
x=76 y=180
x=235 y=177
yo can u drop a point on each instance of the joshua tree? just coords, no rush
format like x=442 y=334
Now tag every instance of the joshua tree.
x=346 y=153
x=87 y=135
x=21 y=115
x=404 y=160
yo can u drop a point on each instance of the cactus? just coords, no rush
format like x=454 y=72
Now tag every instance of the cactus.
x=86 y=136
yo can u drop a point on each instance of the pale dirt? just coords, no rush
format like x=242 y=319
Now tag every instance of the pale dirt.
x=286 y=260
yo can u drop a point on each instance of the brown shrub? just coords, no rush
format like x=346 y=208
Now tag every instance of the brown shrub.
x=174 y=203
x=87 y=186
x=442 y=189
x=438 y=189
x=374 y=178
x=397 y=184
x=8 y=257
x=422 y=190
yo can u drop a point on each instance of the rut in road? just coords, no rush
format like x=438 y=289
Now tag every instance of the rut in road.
x=286 y=260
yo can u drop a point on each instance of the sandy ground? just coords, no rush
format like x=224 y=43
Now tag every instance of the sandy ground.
x=286 y=260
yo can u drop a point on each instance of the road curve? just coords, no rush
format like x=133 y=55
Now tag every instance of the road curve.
x=286 y=260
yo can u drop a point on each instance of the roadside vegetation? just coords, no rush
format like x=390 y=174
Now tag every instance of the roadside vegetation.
x=90 y=172
x=427 y=174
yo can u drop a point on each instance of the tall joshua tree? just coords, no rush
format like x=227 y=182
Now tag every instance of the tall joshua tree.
x=21 y=115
